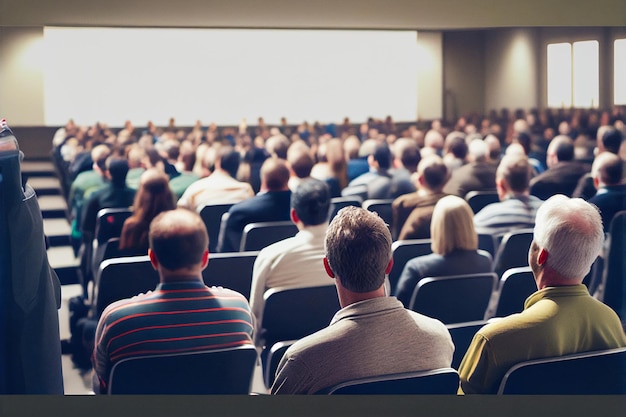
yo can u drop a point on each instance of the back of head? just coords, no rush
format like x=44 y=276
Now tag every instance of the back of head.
x=612 y=140
x=154 y=195
x=275 y=174
x=515 y=170
x=358 y=249
x=524 y=139
x=118 y=168
x=433 y=139
x=228 y=159
x=277 y=146
x=99 y=155
x=562 y=147
x=351 y=147
x=382 y=155
x=495 y=148
x=570 y=230
x=300 y=159
x=456 y=145
x=407 y=152
x=434 y=171
x=608 y=168
x=178 y=238
x=367 y=148
x=311 y=201
x=452 y=226
x=478 y=150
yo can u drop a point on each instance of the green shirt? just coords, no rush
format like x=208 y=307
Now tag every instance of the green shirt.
x=556 y=321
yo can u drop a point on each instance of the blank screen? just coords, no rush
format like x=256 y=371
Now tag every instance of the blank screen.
x=224 y=75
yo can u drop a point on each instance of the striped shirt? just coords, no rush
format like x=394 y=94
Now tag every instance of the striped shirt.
x=177 y=317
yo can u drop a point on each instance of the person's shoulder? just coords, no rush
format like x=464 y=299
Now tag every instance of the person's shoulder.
x=227 y=294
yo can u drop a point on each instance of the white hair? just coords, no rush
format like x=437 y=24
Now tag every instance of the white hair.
x=570 y=229
x=478 y=150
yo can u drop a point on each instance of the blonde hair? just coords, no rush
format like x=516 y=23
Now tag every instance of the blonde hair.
x=452 y=226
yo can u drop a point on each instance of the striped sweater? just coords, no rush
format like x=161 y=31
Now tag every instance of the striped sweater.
x=177 y=317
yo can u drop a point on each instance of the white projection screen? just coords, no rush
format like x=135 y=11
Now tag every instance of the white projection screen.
x=223 y=75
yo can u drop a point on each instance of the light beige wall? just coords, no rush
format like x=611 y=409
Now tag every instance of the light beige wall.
x=430 y=75
x=21 y=75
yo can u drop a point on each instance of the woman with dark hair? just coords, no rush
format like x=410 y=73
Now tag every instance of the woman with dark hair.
x=153 y=197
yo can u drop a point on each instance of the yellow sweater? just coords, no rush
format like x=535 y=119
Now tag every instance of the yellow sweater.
x=556 y=321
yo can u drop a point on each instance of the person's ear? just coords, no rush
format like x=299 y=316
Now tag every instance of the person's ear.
x=596 y=181
x=389 y=266
x=205 y=258
x=294 y=216
x=153 y=259
x=328 y=269
x=542 y=257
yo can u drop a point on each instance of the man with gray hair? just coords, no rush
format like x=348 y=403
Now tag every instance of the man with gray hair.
x=561 y=318
x=372 y=334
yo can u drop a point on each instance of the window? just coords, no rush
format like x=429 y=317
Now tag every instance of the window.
x=574 y=74
x=619 y=84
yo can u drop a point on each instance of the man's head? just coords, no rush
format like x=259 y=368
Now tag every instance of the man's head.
x=274 y=175
x=311 y=203
x=358 y=250
x=478 y=151
x=456 y=145
x=277 y=146
x=432 y=173
x=99 y=155
x=228 y=160
x=380 y=158
x=513 y=176
x=612 y=139
x=560 y=149
x=406 y=153
x=178 y=243
x=116 y=170
x=568 y=236
x=300 y=159
x=607 y=169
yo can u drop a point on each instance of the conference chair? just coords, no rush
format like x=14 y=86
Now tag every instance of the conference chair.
x=488 y=243
x=462 y=335
x=513 y=251
x=477 y=200
x=275 y=354
x=454 y=299
x=292 y=313
x=338 y=203
x=212 y=216
x=256 y=236
x=121 y=278
x=433 y=382
x=403 y=251
x=109 y=223
x=600 y=372
x=382 y=207
x=110 y=250
x=221 y=372
x=612 y=291
x=515 y=286
x=231 y=270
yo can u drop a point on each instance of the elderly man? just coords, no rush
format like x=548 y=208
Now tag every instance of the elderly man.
x=517 y=208
x=296 y=261
x=182 y=314
x=372 y=334
x=561 y=317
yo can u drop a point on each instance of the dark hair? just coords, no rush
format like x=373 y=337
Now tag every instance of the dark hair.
x=410 y=157
x=311 y=201
x=564 y=151
x=178 y=238
x=434 y=171
x=302 y=165
x=611 y=169
x=229 y=160
x=275 y=173
x=612 y=140
x=382 y=155
x=516 y=171
x=524 y=139
x=458 y=147
x=118 y=168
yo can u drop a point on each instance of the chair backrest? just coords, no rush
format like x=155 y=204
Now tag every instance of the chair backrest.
x=292 y=313
x=515 y=286
x=223 y=371
x=454 y=299
x=513 y=251
x=593 y=373
x=614 y=292
x=359 y=191
x=340 y=202
x=256 y=236
x=230 y=270
x=382 y=207
x=111 y=249
x=121 y=278
x=477 y=200
x=109 y=222
x=487 y=243
x=462 y=335
x=403 y=251
x=275 y=354
x=212 y=218
x=433 y=382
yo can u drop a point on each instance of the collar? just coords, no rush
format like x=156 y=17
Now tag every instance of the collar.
x=193 y=283
x=318 y=231
x=361 y=308
x=556 y=292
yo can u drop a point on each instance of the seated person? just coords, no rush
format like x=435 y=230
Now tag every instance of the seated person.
x=153 y=197
x=412 y=212
x=607 y=171
x=270 y=205
x=477 y=175
x=561 y=317
x=372 y=334
x=454 y=244
x=181 y=314
x=297 y=261
x=376 y=182
x=517 y=208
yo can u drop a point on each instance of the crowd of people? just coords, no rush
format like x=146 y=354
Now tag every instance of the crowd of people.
x=424 y=170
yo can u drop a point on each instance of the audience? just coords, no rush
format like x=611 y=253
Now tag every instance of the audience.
x=406 y=157
x=561 y=317
x=372 y=334
x=454 y=245
x=181 y=314
x=297 y=261
x=517 y=208
x=478 y=175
